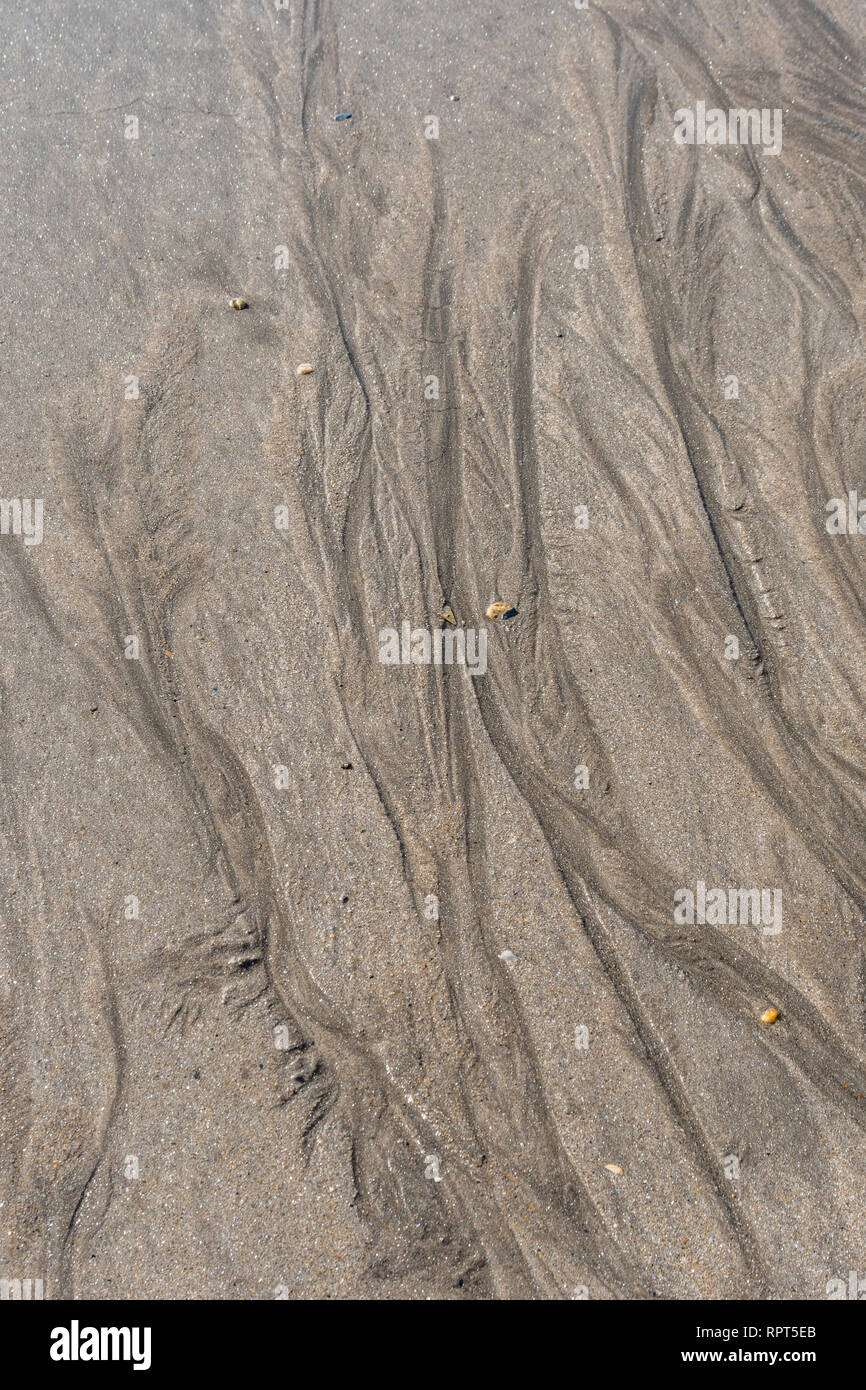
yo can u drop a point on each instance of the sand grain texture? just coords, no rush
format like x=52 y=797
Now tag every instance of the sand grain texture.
x=288 y=1073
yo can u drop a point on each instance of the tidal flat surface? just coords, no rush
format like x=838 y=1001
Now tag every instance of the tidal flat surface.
x=328 y=969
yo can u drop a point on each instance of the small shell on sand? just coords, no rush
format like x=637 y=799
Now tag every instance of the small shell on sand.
x=304 y=369
x=507 y=956
x=238 y=304
x=769 y=1016
x=613 y=1168
x=501 y=610
x=448 y=615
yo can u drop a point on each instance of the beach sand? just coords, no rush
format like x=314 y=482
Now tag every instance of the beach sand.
x=324 y=976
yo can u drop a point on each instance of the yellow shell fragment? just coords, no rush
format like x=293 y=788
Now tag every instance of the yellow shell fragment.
x=613 y=1168
x=448 y=614
x=239 y=304
x=497 y=609
x=770 y=1016
x=304 y=369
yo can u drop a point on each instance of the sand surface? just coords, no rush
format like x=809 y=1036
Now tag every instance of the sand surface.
x=322 y=977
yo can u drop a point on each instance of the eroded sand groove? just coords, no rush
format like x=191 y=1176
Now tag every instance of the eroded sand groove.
x=423 y=1125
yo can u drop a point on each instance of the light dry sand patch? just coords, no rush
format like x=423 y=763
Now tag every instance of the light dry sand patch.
x=324 y=977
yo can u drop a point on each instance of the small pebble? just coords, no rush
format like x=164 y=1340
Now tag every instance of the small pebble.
x=507 y=956
x=239 y=304
x=304 y=369
x=448 y=614
x=769 y=1016
x=613 y=1168
x=501 y=610
x=343 y=116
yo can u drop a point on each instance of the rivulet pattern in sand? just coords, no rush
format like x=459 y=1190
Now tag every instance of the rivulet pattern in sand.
x=328 y=969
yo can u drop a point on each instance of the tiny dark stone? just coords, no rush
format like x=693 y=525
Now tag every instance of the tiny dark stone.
x=343 y=116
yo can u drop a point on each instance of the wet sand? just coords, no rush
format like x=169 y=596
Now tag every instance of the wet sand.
x=329 y=976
